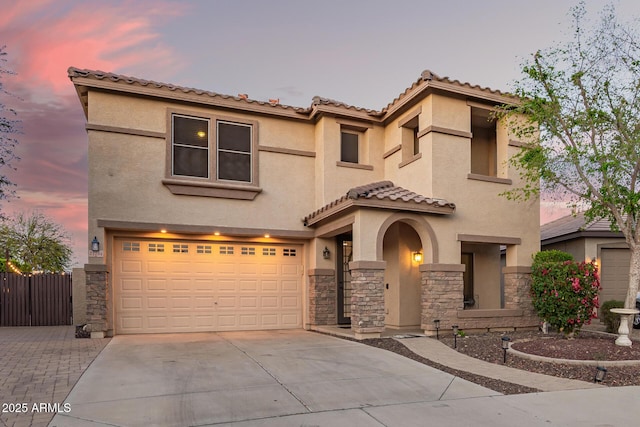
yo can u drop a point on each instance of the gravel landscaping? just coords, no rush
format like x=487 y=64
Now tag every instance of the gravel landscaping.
x=488 y=347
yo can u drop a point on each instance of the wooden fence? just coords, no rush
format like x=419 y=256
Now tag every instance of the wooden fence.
x=36 y=300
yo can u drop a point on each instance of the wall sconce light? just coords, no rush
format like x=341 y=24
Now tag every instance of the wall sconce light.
x=601 y=373
x=95 y=244
x=455 y=336
x=437 y=323
x=505 y=347
x=417 y=257
x=325 y=253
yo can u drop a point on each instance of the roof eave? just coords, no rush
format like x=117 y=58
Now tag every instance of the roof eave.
x=397 y=205
x=220 y=101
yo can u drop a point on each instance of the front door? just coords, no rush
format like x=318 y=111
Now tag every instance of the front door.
x=343 y=258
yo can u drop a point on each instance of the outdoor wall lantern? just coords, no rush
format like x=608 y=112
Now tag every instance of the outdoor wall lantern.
x=505 y=347
x=95 y=244
x=417 y=257
x=601 y=373
x=455 y=336
x=325 y=253
x=437 y=323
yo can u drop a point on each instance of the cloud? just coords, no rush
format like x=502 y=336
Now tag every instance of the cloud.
x=43 y=38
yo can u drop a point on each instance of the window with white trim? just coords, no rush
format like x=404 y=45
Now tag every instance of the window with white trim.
x=180 y=248
x=203 y=249
x=269 y=251
x=247 y=251
x=156 y=247
x=226 y=250
x=288 y=252
x=131 y=246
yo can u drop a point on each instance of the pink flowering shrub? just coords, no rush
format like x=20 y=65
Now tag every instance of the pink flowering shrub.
x=564 y=292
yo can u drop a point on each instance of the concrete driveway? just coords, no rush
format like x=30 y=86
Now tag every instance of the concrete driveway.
x=264 y=378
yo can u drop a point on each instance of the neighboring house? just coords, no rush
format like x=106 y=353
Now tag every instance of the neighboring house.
x=218 y=213
x=592 y=241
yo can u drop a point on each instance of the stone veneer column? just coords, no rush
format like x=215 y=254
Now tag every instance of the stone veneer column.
x=323 y=297
x=517 y=294
x=97 y=299
x=442 y=295
x=367 y=298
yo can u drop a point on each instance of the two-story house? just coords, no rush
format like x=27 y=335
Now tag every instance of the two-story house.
x=214 y=212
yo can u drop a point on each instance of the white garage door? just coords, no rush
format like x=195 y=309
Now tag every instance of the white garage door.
x=167 y=286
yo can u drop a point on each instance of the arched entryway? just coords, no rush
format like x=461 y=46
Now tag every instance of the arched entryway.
x=402 y=276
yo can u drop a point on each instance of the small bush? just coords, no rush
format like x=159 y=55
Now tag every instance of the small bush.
x=551 y=256
x=611 y=320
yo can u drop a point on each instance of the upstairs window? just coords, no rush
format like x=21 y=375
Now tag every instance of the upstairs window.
x=234 y=151
x=190 y=146
x=483 y=143
x=207 y=153
x=349 y=147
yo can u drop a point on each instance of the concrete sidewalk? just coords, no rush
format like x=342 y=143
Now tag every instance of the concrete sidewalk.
x=40 y=365
x=436 y=351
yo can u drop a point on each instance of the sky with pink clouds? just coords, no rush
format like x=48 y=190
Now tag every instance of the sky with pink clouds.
x=360 y=52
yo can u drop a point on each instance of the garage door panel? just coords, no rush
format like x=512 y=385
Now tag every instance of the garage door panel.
x=269 y=302
x=291 y=286
x=248 y=302
x=269 y=269
x=157 y=302
x=248 y=285
x=290 y=303
x=269 y=285
x=128 y=266
x=248 y=269
x=206 y=287
x=131 y=285
x=227 y=285
x=204 y=302
x=227 y=302
x=157 y=285
x=156 y=267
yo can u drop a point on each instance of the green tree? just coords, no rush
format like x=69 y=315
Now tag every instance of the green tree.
x=9 y=128
x=581 y=131
x=36 y=242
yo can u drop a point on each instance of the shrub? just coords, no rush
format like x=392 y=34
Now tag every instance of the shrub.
x=611 y=320
x=564 y=292
x=551 y=256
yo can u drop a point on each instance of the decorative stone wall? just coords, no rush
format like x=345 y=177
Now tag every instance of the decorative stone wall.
x=97 y=299
x=442 y=298
x=442 y=295
x=323 y=297
x=517 y=294
x=367 y=298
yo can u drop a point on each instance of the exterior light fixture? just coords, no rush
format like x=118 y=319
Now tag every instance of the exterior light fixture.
x=325 y=253
x=417 y=257
x=601 y=373
x=505 y=347
x=163 y=231
x=437 y=323
x=455 y=336
x=266 y=236
x=95 y=244
x=202 y=133
x=217 y=233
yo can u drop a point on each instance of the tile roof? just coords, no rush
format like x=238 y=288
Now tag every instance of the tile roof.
x=427 y=78
x=384 y=191
x=116 y=78
x=571 y=226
